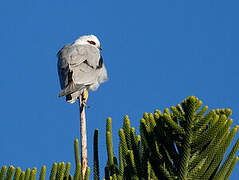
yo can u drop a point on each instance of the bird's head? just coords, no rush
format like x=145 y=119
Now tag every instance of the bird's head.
x=90 y=40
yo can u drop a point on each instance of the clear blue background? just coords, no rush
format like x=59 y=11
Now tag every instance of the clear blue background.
x=157 y=53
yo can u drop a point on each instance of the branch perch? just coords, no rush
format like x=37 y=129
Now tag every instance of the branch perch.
x=84 y=156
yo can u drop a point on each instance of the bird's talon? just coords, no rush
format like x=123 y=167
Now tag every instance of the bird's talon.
x=84 y=104
x=84 y=98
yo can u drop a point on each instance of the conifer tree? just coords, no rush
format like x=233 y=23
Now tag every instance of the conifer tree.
x=184 y=143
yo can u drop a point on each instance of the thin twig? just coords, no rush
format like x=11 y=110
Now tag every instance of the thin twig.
x=84 y=156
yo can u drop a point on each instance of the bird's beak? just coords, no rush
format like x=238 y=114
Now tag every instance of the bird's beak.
x=100 y=48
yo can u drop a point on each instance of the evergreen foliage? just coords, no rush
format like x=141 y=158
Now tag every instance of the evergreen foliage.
x=59 y=171
x=179 y=144
x=185 y=143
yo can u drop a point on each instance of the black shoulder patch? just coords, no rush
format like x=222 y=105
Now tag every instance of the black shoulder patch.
x=100 y=63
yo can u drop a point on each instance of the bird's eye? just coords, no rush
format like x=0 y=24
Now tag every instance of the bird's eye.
x=91 y=42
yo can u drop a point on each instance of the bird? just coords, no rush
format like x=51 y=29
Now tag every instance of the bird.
x=80 y=68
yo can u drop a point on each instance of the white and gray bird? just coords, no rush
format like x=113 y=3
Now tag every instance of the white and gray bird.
x=80 y=67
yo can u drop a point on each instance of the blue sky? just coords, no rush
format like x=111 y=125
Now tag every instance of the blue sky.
x=157 y=53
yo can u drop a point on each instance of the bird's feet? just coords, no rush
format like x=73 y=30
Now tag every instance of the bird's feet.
x=84 y=98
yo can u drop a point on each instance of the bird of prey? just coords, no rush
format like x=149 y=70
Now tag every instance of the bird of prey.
x=80 y=68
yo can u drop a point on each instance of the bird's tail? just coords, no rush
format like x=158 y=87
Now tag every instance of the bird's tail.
x=71 y=88
x=70 y=98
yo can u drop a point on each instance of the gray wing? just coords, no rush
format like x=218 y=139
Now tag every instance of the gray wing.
x=77 y=67
x=63 y=66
